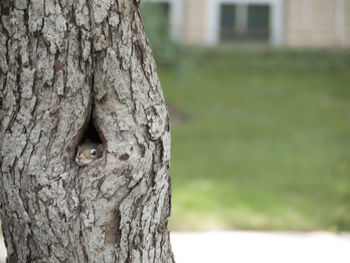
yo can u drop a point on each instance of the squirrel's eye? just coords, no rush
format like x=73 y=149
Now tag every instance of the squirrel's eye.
x=93 y=153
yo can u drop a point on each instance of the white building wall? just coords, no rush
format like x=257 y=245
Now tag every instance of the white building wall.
x=317 y=23
x=293 y=22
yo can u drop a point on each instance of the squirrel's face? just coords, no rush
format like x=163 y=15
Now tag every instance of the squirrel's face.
x=84 y=157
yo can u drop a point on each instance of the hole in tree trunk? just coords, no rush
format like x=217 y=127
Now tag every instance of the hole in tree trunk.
x=91 y=134
x=91 y=146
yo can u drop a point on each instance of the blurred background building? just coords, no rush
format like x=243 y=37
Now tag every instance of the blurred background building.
x=294 y=23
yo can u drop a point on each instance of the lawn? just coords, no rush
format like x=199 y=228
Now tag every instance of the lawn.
x=260 y=139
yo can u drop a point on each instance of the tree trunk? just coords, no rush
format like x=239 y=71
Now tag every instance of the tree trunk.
x=69 y=68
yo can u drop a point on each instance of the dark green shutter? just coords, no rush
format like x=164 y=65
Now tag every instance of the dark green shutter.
x=258 y=22
x=228 y=13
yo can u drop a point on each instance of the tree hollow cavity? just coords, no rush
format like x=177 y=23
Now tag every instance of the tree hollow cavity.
x=91 y=145
x=92 y=134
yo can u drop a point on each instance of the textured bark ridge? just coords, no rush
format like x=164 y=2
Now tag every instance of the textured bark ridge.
x=65 y=64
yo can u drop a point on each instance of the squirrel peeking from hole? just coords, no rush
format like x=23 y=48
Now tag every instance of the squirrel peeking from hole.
x=88 y=152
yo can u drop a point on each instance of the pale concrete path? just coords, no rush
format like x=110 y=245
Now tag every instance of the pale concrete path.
x=261 y=247
x=255 y=247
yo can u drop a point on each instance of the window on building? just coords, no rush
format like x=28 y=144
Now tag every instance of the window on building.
x=245 y=23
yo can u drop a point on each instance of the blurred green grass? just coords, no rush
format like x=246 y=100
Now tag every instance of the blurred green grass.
x=260 y=139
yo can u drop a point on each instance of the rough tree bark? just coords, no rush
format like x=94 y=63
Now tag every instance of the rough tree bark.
x=65 y=64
